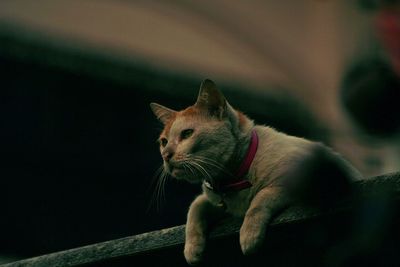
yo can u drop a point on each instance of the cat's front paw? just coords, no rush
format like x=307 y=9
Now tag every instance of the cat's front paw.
x=251 y=238
x=194 y=251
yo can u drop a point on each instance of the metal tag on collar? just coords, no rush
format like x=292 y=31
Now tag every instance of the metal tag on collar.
x=208 y=185
x=222 y=204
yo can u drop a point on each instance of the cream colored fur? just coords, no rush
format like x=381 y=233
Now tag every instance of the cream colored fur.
x=220 y=138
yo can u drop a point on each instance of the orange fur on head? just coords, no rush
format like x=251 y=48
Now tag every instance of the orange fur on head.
x=242 y=119
x=191 y=111
x=168 y=125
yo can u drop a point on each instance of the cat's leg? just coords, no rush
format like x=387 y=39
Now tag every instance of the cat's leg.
x=201 y=213
x=266 y=203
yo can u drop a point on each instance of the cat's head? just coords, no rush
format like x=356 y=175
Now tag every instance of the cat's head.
x=198 y=142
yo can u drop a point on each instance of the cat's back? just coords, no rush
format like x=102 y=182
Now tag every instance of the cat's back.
x=279 y=153
x=276 y=145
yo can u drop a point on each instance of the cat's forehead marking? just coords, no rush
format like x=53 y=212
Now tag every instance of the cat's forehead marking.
x=190 y=111
x=181 y=119
x=242 y=119
x=183 y=122
x=168 y=125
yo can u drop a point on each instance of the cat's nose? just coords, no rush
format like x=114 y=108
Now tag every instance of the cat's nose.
x=168 y=155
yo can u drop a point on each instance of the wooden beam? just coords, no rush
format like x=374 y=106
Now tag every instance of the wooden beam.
x=173 y=237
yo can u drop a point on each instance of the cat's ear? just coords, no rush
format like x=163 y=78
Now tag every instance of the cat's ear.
x=211 y=99
x=162 y=113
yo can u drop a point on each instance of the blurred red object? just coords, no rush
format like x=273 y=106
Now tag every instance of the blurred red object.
x=388 y=26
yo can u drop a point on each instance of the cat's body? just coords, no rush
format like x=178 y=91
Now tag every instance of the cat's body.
x=209 y=141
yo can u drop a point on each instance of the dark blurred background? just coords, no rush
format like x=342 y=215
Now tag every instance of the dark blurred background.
x=77 y=137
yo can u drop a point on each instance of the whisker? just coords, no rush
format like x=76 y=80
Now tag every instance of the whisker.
x=164 y=180
x=186 y=167
x=154 y=185
x=162 y=189
x=192 y=169
x=212 y=163
x=158 y=190
x=155 y=177
x=201 y=169
x=208 y=159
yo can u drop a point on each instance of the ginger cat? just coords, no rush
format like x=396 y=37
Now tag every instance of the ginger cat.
x=246 y=170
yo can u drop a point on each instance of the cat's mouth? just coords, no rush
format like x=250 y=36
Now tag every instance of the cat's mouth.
x=175 y=170
x=178 y=171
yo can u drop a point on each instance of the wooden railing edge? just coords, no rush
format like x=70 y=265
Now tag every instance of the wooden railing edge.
x=174 y=236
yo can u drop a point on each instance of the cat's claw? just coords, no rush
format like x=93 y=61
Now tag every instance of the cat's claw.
x=193 y=253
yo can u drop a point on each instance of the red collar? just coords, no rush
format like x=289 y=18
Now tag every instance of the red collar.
x=239 y=183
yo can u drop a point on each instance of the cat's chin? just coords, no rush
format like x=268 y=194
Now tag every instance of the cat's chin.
x=178 y=173
x=182 y=175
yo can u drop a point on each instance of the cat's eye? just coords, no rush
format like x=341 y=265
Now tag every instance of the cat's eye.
x=186 y=133
x=163 y=142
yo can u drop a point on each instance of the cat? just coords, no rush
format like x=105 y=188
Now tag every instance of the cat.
x=246 y=170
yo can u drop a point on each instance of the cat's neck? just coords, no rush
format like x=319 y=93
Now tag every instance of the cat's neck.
x=238 y=165
x=243 y=136
x=242 y=148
